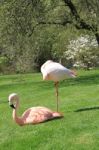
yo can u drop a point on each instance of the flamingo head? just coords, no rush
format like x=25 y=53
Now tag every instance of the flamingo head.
x=12 y=99
x=73 y=73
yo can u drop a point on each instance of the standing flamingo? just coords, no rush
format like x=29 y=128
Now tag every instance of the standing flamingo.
x=54 y=71
x=33 y=115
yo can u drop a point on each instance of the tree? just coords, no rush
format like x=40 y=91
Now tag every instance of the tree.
x=36 y=30
x=82 y=14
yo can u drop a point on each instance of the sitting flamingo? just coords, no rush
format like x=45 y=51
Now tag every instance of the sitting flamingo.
x=33 y=115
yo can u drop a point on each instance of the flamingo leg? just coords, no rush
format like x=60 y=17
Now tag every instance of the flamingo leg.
x=56 y=92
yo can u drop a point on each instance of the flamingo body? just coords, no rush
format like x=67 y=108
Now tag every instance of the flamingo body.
x=33 y=115
x=38 y=114
x=55 y=71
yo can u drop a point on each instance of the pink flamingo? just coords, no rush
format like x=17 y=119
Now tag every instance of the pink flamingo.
x=54 y=71
x=33 y=115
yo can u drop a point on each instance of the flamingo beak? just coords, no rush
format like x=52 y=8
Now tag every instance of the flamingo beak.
x=12 y=106
x=74 y=73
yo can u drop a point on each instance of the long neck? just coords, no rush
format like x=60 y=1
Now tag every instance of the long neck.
x=17 y=119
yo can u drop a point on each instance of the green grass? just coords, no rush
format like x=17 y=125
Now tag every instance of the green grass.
x=79 y=102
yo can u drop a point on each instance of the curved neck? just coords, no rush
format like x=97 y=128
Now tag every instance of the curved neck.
x=17 y=119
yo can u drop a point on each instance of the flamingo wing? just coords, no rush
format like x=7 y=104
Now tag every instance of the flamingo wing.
x=55 y=71
x=36 y=115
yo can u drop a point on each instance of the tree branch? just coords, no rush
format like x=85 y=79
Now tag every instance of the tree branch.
x=80 y=23
x=49 y=23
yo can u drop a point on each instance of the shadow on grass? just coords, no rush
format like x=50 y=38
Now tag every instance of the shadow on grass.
x=82 y=80
x=87 y=109
x=53 y=119
x=88 y=79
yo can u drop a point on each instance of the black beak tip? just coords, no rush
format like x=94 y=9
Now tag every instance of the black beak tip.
x=12 y=106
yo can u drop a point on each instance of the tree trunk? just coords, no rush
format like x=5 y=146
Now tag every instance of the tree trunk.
x=80 y=23
x=97 y=38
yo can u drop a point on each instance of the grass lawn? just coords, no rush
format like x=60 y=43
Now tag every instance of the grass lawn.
x=79 y=102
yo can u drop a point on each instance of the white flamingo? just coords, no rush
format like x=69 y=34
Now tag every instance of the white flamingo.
x=54 y=71
x=33 y=115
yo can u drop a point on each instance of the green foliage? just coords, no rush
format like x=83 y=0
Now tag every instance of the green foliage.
x=33 y=31
x=3 y=64
x=3 y=60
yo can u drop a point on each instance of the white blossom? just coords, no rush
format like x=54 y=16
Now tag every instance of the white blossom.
x=81 y=51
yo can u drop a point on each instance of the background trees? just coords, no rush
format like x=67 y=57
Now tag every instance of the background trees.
x=36 y=30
